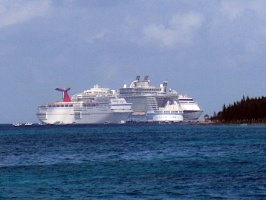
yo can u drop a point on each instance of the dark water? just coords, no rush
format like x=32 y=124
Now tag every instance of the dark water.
x=137 y=161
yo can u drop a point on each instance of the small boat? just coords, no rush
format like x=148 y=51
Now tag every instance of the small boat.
x=59 y=123
x=16 y=124
x=243 y=124
x=28 y=124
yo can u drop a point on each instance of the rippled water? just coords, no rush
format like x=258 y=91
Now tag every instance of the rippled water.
x=139 y=161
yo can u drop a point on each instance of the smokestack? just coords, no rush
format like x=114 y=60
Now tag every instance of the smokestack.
x=66 y=97
x=146 y=78
x=164 y=86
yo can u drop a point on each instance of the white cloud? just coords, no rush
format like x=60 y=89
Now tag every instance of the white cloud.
x=180 y=30
x=235 y=9
x=97 y=36
x=14 y=12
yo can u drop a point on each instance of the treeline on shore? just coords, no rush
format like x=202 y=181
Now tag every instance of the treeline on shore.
x=247 y=110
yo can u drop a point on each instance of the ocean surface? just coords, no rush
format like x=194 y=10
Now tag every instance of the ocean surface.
x=133 y=161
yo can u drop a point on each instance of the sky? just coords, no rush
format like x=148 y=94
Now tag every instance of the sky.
x=212 y=50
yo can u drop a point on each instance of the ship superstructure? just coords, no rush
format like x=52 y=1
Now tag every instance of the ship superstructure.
x=94 y=106
x=151 y=103
x=93 y=93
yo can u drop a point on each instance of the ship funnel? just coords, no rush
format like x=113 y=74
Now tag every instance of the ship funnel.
x=161 y=86
x=137 y=78
x=66 y=97
x=164 y=86
x=146 y=78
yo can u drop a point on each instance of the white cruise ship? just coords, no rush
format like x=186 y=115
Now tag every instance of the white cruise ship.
x=191 y=109
x=94 y=106
x=151 y=103
x=171 y=112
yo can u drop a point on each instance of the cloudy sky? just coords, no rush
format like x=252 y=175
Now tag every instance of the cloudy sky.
x=212 y=50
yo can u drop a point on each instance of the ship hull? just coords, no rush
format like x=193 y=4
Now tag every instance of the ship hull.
x=191 y=115
x=69 y=116
x=102 y=118
x=55 y=115
x=163 y=117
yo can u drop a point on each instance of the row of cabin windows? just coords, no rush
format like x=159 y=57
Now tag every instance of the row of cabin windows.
x=71 y=105
x=61 y=105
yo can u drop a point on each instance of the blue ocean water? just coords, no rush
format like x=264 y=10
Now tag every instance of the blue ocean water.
x=133 y=161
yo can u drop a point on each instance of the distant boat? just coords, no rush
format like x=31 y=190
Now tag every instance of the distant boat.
x=28 y=124
x=59 y=123
x=16 y=124
x=243 y=124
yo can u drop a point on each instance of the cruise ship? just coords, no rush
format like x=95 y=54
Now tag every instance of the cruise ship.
x=151 y=103
x=94 y=106
x=191 y=109
x=171 y=112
